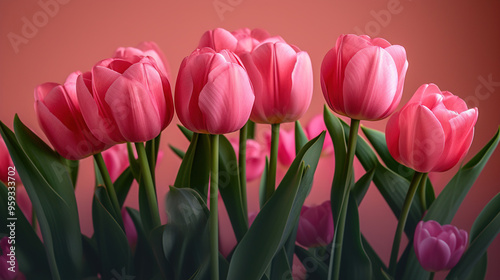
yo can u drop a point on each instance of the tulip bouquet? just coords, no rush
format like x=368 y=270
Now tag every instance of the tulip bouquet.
x=235 y=81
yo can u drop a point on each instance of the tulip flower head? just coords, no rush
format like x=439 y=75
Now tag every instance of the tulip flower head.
x=362 y=78
x=432 y=132
x=213 y=93
x=282 y=79
x=145 y=49
x=125 y=100
x=315 y=225
x=439 y=247
x=60 y=117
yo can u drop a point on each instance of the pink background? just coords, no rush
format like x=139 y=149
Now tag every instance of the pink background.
x=451 y=43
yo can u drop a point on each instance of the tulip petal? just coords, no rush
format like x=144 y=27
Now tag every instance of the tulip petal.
x=135 y=114
x=392 y=135
x=422 y=139
x=370 y=84
x=434 y=254
x=223 y=110
x=218 y=39
x=301 y=88
x=398 y=53
x=332 y=80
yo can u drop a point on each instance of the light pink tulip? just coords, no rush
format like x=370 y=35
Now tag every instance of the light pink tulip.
x=314 y=128
x=286 y=146
x=213 y=93
x=432 y=132
x=282 y=79
x=255 y=157
x=5 y=266
x=438 y=247
x=60 y=117
x=315 y=225
x=145 y=49
x=125 y=100
x=363 y=78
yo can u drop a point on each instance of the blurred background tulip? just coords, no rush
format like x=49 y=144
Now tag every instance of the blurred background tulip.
x=362 y=78
x=282 y=79
x=315 y=225
x=255 y=158
x=5 y=163
x=60 y=117
x=125 y=100
x=213 y=93
x=286 y=146
x=439 y=247
x=314 y=128
x=433 y=131
x=148 y=48
x=130 y=230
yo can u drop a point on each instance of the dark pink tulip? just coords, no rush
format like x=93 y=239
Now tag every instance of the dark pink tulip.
x=5 y=163
x=145 y=49
x=60 y=117
x=315 y=225
x=432 y=132
x=125 y=100
x=362 y=78
x=130 y=230
x=282 y=79
x=7 y=271
x=438 y=247
x=213 y=93
x=255 y=157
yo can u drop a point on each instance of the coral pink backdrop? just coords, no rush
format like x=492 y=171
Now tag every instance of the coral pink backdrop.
x=454 y=44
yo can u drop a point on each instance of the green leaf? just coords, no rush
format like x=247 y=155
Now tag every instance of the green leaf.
x=313 y=263
x=446 y=204
x=300 y=137
x=112 y=242
x=72 y=166
x=91 y=257
x=187 y=133
x=180 y=153
x=229 y=188
x=355 y=262
x=277 y=218
x=280 y=265
x=479 y=270
x=378 y=266
x=51 y=192
x=194 y=171
x=30 y=252
x=122 y=185
x=483 y=232
x=361 y=187
x=185 y=240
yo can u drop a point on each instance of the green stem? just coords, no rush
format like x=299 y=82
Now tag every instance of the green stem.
x=242 y=165
x=214 y=193
x=148 y=184
x=271 y=175
x=431 y=277
x=339 y=231
x=250 y=129
x=109 y=185
x=34 y=221
x=402 y=221
x=423 y=201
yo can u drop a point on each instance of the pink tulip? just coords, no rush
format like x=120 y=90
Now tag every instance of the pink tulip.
x=255 y=157
x=286 y=146
x=438 y=247
x=125 y=100
x=145 y=49
x=213 y=93
x=432 y=132
x=60 y=117
x=130 y=230
x=314 y=128
x=282 y=78
x=315 y=225
x=249 y=39
x=9 y=269
x=5 y=163
x=363 y=78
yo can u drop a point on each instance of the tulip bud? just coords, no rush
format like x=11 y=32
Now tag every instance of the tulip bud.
x=438 y=247
x=145 y=49
x=363 y=78
x=60 y=117
x=432 y=132
x=315 y=225
x=213 y=93
x=125 y=100
x=282 y=79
